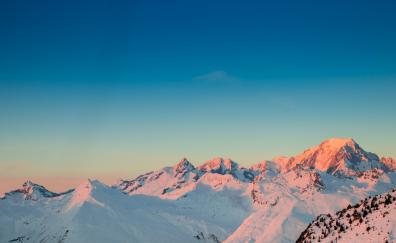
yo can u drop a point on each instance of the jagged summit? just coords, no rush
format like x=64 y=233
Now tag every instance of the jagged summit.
x=183 y=165
x=336 y=155
x=219 y=165
x=29 y=183
x=227 y=166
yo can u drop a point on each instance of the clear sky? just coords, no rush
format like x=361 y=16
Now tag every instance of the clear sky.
x=112 y=89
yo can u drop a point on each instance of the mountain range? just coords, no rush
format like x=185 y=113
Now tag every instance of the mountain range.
x=303 y=198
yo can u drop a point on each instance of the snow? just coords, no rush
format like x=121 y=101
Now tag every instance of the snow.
x=272 y=201
x=219 y=164
x=370 y=220
x=337 y=156
x=82 y=194
x=94 y=210
x=390 y=163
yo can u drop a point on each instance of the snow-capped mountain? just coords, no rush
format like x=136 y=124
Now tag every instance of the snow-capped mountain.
x=94 y=212
x=163 y=181
x=30 y=190
x=337 y=155
x=272 y=201
x=371 y=220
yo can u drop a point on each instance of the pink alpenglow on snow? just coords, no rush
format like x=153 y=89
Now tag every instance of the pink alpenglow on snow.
x=83 y=193
x=277 y=200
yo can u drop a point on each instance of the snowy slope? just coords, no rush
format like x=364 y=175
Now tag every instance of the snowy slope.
x=94 y=212
x=321 y=180
x=287 y=203
x=272 y=201
x=371 y=220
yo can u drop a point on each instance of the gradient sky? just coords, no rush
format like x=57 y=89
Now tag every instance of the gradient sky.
x=112 y=89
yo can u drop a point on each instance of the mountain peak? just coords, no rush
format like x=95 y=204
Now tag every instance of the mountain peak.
x=83 y=193
x=339 y=142
x=219 y=165
x=336 y=155
x=30 y=190
x=183 y=165
x=29 y=183
x=90 y=184
x=29 y=187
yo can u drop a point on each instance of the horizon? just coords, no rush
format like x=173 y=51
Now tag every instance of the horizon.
x=57 y=184
x=97 y=89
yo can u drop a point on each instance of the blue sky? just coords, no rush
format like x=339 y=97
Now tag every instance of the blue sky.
x=105 y=87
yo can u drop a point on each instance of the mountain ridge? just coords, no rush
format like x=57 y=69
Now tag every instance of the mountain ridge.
x=217 y=201
x=219 y=165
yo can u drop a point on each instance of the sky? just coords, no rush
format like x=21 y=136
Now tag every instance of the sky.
x=110 y=89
